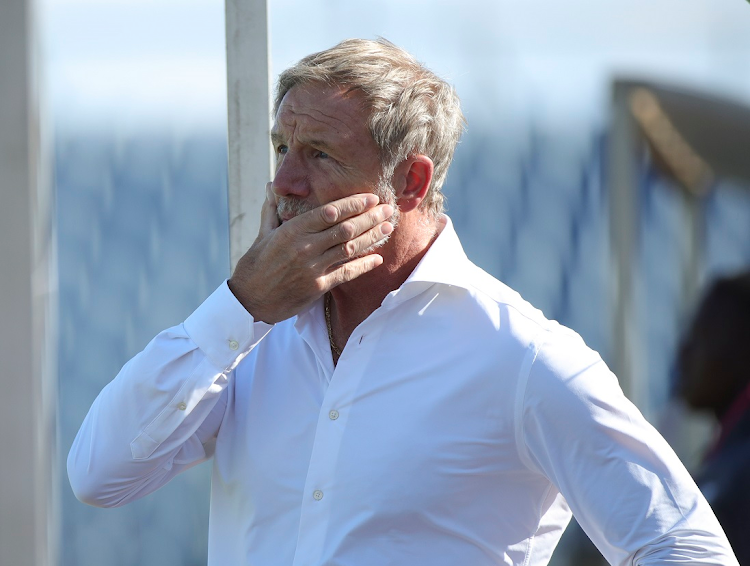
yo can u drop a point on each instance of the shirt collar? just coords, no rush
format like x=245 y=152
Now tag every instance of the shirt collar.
x=444 y=263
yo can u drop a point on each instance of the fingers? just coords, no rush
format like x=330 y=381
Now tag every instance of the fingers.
x=334 y=212
x=293 y=263
x=269 y=220
x=352 y=269
x=358 y=244
x=342 y=229
x=355 y=226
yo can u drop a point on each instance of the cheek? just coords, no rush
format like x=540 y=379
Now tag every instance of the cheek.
x=335 y=189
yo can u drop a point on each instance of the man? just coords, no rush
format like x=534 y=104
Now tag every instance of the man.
x=368 y=395
x=714 y=373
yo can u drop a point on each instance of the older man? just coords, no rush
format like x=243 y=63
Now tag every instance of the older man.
x=368 y=395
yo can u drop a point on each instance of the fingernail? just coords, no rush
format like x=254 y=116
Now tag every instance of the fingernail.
x=371 y=200
x=388 y=210
x=386 y=228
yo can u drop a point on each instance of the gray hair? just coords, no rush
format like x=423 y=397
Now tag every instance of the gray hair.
x=412 y=110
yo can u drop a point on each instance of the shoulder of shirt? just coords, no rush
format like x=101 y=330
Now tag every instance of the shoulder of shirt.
x=525 y=322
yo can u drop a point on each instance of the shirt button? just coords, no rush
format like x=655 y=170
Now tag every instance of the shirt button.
x=181 y=406
x=333 y=415
x=317 y=495
x=233 y=344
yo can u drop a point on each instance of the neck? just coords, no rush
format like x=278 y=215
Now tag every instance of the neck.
x=354 y=301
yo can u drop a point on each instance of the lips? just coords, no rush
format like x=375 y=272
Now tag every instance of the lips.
x=286 y=215
x=288 y=207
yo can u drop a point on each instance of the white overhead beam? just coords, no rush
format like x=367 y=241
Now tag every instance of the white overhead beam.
x=248 y=91
x=27 y=510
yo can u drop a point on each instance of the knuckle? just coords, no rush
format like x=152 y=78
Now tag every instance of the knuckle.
x=319 y=285
x=329 y=213
x=347 y=272
x=347 y=230
x=298 y=249
x=371 y=237
x=283 y=240
x=349 y=249
x=377 y=217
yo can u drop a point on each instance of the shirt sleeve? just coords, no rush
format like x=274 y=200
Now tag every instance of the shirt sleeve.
x=161 y=414
x=623 y=482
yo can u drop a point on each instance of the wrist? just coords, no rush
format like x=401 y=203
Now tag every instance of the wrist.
x=243 y=298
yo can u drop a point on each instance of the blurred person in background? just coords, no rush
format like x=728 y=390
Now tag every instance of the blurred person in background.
x=368 y=395
x=714 y=370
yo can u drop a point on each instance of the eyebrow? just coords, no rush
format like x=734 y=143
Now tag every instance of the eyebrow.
x=277 y=139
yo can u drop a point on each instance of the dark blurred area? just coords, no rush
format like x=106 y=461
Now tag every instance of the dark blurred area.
x=714 y=375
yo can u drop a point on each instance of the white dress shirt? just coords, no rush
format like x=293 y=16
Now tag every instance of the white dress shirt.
x=460 y=427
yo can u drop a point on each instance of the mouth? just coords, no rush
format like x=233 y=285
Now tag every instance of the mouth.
x=287 y=208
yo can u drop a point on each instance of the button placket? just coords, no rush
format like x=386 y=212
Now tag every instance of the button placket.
x=322 y=469
x=320 y=485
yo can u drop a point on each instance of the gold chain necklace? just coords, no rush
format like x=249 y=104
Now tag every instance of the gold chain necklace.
x=334 y=348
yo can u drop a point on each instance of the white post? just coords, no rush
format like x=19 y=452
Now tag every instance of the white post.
x=622 y=183
x=27 y=400
x=248 y=91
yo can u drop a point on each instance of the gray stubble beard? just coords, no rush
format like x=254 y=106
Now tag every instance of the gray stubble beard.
x=293 y=206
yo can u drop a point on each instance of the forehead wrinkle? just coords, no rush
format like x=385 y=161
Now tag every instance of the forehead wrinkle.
x=328 y=120
x=312 y=139
x=314 y=121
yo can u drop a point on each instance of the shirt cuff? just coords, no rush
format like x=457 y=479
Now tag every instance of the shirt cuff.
x=223 y=329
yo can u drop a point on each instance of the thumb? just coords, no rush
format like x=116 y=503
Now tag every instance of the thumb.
x=269 y=220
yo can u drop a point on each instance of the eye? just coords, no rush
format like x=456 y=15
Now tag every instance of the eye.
x=281 y=149
x=321 y=155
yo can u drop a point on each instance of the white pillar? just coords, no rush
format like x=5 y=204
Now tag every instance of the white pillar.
x=27 y=399
x=622 y=182
x=248 y=91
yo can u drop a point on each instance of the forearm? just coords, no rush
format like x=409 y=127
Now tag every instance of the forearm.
x=137 y=427
x=699 y=545
x=624 y=484
x=160 y=414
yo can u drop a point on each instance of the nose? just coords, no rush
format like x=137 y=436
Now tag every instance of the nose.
x=291 y=178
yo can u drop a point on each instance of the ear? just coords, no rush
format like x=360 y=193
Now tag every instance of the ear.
x=412 y=180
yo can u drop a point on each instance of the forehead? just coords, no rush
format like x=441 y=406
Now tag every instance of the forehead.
x=323 y=110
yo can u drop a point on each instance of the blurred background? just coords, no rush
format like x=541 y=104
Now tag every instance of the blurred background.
x=605 y=175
